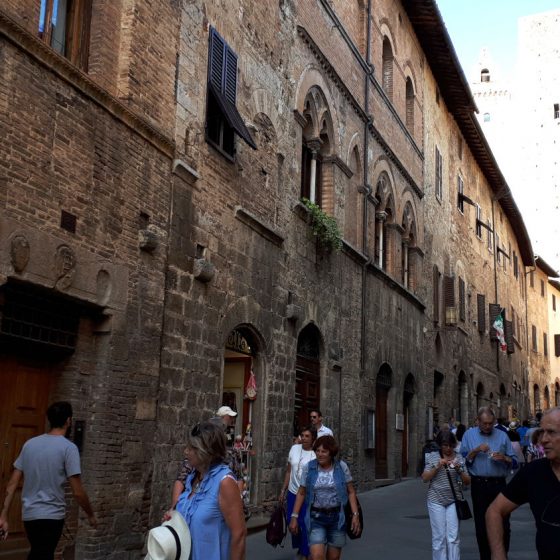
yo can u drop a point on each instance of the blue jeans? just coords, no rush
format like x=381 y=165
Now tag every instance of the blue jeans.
x=324 y=529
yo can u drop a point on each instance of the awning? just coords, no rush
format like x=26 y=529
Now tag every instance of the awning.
x=232 y=116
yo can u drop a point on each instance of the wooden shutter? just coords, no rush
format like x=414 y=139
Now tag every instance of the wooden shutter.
x=216 y=60
x=493 y=311
x=481 y=304
x=557 y=345
x=462 y=303
x=449 y=296
x=230 y=75
x=509 y=337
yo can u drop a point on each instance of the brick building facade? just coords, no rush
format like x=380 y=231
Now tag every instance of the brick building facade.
x=160 y=200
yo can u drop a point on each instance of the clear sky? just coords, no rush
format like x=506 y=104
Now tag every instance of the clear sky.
x=473 y=24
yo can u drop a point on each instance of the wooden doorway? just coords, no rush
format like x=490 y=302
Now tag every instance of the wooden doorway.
x=23 y=403
x=308 y=377
x=382 y=388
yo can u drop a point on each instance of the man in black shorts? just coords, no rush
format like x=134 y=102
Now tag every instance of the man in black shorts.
x=539 y=485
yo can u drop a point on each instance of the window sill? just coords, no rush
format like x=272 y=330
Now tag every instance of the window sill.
x=220 y=150
x=266 y=231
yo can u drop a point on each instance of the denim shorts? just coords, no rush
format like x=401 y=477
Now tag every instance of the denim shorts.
x=324 y=529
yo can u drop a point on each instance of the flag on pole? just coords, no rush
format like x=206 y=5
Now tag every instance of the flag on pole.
x=498 y=326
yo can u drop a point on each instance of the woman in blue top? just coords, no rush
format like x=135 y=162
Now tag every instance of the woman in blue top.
x=326 y=486
x=211 y=503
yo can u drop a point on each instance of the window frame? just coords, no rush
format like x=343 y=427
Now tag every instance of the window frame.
x=76 y=29
x=460 y=192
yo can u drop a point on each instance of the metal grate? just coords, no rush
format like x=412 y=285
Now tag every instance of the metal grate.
x=48 y=320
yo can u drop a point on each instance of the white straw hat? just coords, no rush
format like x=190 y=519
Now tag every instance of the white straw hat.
x=170 y=541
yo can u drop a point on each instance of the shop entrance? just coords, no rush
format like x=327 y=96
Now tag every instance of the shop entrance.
x=239 y=392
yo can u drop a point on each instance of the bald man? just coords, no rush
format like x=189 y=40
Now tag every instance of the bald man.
x=539 y=485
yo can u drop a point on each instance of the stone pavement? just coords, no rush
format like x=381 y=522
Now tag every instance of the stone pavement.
x=397 y=528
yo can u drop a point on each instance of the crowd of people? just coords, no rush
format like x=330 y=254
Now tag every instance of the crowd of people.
x=486 y=456
x=206 y=518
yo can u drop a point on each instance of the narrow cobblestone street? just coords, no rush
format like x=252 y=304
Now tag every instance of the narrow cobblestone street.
x=397 y=528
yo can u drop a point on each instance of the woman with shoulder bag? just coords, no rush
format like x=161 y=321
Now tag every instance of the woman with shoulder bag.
x=442 y=469
x=300 y=454
x=326 y=487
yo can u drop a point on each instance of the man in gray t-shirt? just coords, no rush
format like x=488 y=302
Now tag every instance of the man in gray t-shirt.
x=46 y=462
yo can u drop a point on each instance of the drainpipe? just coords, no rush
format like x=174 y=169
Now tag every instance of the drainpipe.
x=366 y=192
x=495 y=278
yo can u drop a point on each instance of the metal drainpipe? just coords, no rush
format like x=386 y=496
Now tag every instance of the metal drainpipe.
x=495 y=279
x=366 y=193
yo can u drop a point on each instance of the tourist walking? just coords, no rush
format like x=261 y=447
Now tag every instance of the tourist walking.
x=326 y=487
x=300 y=454
x=489 y=458
x=445 y=467
x=45 y=463
x=316 y=418
x=211 y=504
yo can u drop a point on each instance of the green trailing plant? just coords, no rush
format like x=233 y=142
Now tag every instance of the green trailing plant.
x=324 y=227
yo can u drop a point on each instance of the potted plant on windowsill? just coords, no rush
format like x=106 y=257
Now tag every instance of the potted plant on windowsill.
x=325 y=228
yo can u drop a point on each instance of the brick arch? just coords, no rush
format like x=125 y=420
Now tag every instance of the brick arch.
x=265 y=103
x=310 y=78
x=409 y=72
x=386 y=30
x=354 y=199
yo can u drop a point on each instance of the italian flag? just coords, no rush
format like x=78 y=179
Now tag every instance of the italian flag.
x=500 y=333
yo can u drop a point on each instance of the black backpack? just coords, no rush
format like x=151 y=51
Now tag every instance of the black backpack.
x=276 y=528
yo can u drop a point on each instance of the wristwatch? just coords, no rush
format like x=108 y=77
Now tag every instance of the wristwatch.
x=355 y=513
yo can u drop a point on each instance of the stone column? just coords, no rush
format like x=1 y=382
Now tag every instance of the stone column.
x=380 y=218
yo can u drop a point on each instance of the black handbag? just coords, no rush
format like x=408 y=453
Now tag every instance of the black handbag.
x=348 y=517
x=461 y=505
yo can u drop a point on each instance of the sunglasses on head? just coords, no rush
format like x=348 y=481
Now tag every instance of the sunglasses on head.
x=195 y=432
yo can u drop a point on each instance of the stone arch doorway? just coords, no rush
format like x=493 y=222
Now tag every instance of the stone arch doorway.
x=479 y=396
x=241 y=363
x=308 y=376
x=463 y=399
x=408 y=397
x=382 y=387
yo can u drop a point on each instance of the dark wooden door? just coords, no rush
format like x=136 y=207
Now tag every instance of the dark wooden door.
x=381 y=468
x=24 y=399
x=307 y=391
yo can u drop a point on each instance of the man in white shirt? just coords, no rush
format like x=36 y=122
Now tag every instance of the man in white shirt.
x=317 y=422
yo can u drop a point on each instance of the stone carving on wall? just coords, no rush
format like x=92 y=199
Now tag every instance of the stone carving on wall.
x=64 y=267
x=104 y=287
x=19 y=253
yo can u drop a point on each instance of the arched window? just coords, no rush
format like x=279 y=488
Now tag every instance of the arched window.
x=408 y=242
x=353 y=202
x=387 y=68
x=317 y=179
x=384 y=215
x=557 y=394
x=409 y=105
x=485 y=75
x=546 y=398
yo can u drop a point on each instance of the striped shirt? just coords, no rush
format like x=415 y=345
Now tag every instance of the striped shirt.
x=439 y=491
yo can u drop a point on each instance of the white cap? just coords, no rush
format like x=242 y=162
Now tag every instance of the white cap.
x=225 y=411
